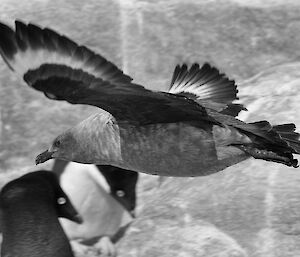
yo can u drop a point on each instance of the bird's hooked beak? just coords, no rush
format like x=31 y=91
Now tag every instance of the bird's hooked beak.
x=44 y=156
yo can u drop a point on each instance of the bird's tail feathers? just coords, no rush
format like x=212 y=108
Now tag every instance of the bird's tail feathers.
x=273 y=143
x=288 y=134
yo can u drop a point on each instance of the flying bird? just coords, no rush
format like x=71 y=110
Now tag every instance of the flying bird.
x=191 y=130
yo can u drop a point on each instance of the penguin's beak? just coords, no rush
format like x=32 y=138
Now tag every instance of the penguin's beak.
x=78 y=219
x=44 y=156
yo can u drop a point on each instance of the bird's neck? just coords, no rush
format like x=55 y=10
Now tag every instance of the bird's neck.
x=31 y=230
x=99 y=136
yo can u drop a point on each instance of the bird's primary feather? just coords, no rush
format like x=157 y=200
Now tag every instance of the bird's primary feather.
x=29 y=46
x=204 y=82
x=207 y=86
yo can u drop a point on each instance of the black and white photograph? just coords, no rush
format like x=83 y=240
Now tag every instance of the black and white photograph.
x=144 y=128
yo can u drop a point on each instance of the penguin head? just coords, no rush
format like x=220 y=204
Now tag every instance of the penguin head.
x=64 y=207
x=40 y=185
x=122 y=185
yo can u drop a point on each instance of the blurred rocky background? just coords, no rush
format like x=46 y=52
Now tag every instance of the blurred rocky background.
x=251 y=209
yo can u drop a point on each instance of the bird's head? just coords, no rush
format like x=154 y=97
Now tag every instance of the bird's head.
x=92 y=141
x=63 y=147
x=64 y=206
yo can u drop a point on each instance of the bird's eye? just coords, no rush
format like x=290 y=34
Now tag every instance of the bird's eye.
x=57 y=143
x=120 y=193
x=61 y=200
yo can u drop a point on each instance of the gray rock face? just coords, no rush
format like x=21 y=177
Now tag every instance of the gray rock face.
x=242 y=38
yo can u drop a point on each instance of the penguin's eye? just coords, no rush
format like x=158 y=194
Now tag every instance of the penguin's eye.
x=120 y=193
x=61 y=200
x=57 y=143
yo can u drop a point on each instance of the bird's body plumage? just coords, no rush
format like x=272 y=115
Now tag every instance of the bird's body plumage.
x=189 y=149
x=189 y=131
x=181 y=149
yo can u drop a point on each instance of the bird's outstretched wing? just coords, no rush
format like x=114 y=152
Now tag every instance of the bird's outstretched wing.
x=29 y=46
x=63 y=70
x=207 y=86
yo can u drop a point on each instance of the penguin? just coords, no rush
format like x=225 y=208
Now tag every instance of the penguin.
x=122 y=183
x=105 y=217
x=30 y=207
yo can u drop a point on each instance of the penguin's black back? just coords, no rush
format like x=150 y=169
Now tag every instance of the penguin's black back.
x=30 y=207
